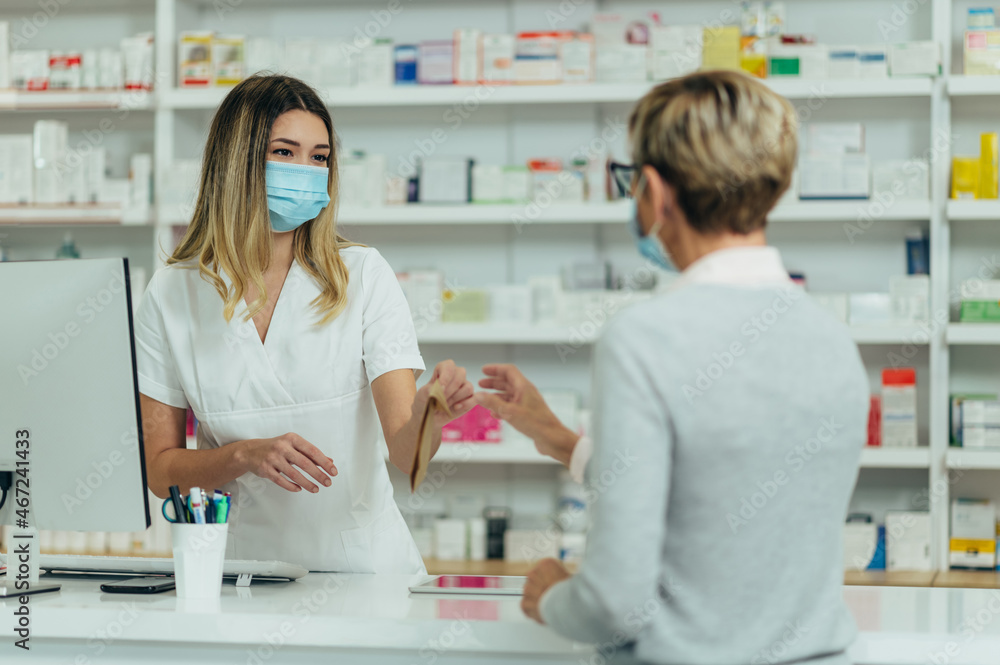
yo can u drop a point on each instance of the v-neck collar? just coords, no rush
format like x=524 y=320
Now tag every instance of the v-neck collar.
x=240 y=315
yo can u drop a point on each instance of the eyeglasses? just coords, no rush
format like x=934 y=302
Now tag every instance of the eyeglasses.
x=624 y=176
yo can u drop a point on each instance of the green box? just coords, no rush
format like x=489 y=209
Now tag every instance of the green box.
x=980 y=311
x=784 y=66
x=465 y=306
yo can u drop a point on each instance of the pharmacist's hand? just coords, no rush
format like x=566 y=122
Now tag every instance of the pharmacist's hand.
x=457 y=390
x=518 y=402
x=542 y=577
x=281 y=458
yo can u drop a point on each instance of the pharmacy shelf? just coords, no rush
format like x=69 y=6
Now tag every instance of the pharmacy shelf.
x=973 y=86
x=12 y=100
x=974 y=211
x=974 y=333
x=895 y=458
x=526 y=214
x=66 y=215
x=490 y=333
x=472 y=96
x=963 y=458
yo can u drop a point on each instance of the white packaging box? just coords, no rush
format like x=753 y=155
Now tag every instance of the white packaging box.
x=445 y=180
x=870 y=309
x=64 y=70
x=577 y=56
x=487 y=183
x=338 y=64
x=510 y=304
x=529 y=545
x=111 y=74
x=466 y=58
x=908 y=540
x=814 y=59
x=621 y=63
x=910 y=298
x=49 y=145
x=94 y=166
x=907 y=180
x=396 y=190
x=973 y=529
x=843 y=62
x=375 y=180
x=302 y=60
x=860 y=543
x=517 y=184
x=140 y=187
x=4 y=55
x=674 y=50
x=137 y=61
x=477 y=539
x=608 y=28
x=436 y=62
x=546 y=293
x=980 y=289
x=376 y=65
x=899 y=415
x=422 y=289
x=75 y=182
x=914 y=59
x=834 y=303
x=497 y=58
x=29 y=69
x=832 y=138
x=980 y=423
x=873 y=62
x=353 y=169
x=90 y=69
x=834 y=177
x=16 y=169
x=450 y=537
x=536 y=59
x=558 y=186
x=262 y=54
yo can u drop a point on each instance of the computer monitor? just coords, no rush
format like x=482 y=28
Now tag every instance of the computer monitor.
x=68 y=380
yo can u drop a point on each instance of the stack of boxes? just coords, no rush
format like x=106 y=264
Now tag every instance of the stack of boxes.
x=976 y=177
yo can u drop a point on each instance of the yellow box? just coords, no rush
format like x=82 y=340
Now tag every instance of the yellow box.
x=753 y=57
x=965 y=177
x=721 y=48
x=194 y=59
x=988 y=165
x=227 y=59
x=465 y=306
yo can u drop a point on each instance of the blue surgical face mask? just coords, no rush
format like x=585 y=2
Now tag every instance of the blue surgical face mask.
x=650 y=246
x=295 y=193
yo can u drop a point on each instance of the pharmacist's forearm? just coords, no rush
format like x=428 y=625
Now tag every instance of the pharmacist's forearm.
x=403 y=444
x=195 y=468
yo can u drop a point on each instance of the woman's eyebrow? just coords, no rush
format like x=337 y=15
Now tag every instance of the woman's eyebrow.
x=319 y=146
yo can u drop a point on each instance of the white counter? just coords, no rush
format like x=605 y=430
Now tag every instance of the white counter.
x=371 y=618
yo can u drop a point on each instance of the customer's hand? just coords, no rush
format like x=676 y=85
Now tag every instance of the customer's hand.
x=543 y=576
x=518 y=402
x=457 y=390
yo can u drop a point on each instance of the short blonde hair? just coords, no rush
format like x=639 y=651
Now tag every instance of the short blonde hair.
x=724 y=141
x=231 y=229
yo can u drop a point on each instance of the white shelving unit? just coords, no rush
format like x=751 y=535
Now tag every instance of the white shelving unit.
x=180 y=112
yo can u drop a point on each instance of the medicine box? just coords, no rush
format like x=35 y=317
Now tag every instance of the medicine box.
x=674 y=51
x=908 y=540
x=435 y=62
x=909 y=298
x=336 y=64
x=16 y=169
x=914 y=59
x=376 y=66
x=955 y=413
x=261 y=54
x=536 y=57
x=465 y=306
x=873 y=62
x=510 y=304
x=899 y=407
x=973 y=534
x=517 y=184
x=721 y=47
x=980 y=301
x=227 y=59
x=29 y=69
x=832 y=138
x=980 y=423
x=194 y=55
x=843 y=62
x=982 y=53
x=405 y=64
x=577 y=57
x=496 y=58
x=621 y=63
x=422 y=289
x=466 y=60
x=446 y=180
x=487 y=183
x=834 y=177
x=860 y=545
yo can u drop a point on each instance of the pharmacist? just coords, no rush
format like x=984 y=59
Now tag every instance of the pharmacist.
x=291 y=345
x=675 y=570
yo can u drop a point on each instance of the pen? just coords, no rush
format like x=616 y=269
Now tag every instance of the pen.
x=197 y=506
x=179 y=509
x=209 y=509
x=225 y=508
x=220 y=501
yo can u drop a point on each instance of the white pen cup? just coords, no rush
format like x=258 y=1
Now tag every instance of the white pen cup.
x=199 y=552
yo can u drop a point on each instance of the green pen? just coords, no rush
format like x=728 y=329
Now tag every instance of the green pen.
x=220 y=508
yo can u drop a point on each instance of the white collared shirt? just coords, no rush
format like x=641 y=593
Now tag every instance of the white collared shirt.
x=750 y=267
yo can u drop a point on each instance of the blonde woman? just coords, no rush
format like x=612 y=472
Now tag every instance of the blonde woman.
x=729 y=413
x=290 y=344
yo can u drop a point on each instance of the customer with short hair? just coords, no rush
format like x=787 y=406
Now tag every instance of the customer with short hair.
x=730 y=413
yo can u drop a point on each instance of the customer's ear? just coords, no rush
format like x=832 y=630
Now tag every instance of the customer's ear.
x=662 y=196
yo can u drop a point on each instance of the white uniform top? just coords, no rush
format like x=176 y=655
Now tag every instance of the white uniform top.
x=308 y=379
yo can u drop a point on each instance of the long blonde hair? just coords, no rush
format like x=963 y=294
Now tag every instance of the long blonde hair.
x=230 y=230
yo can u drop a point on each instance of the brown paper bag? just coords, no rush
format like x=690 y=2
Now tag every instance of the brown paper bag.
x=425 y=439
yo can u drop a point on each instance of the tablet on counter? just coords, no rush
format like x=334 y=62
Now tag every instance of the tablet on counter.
x=480 y=585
